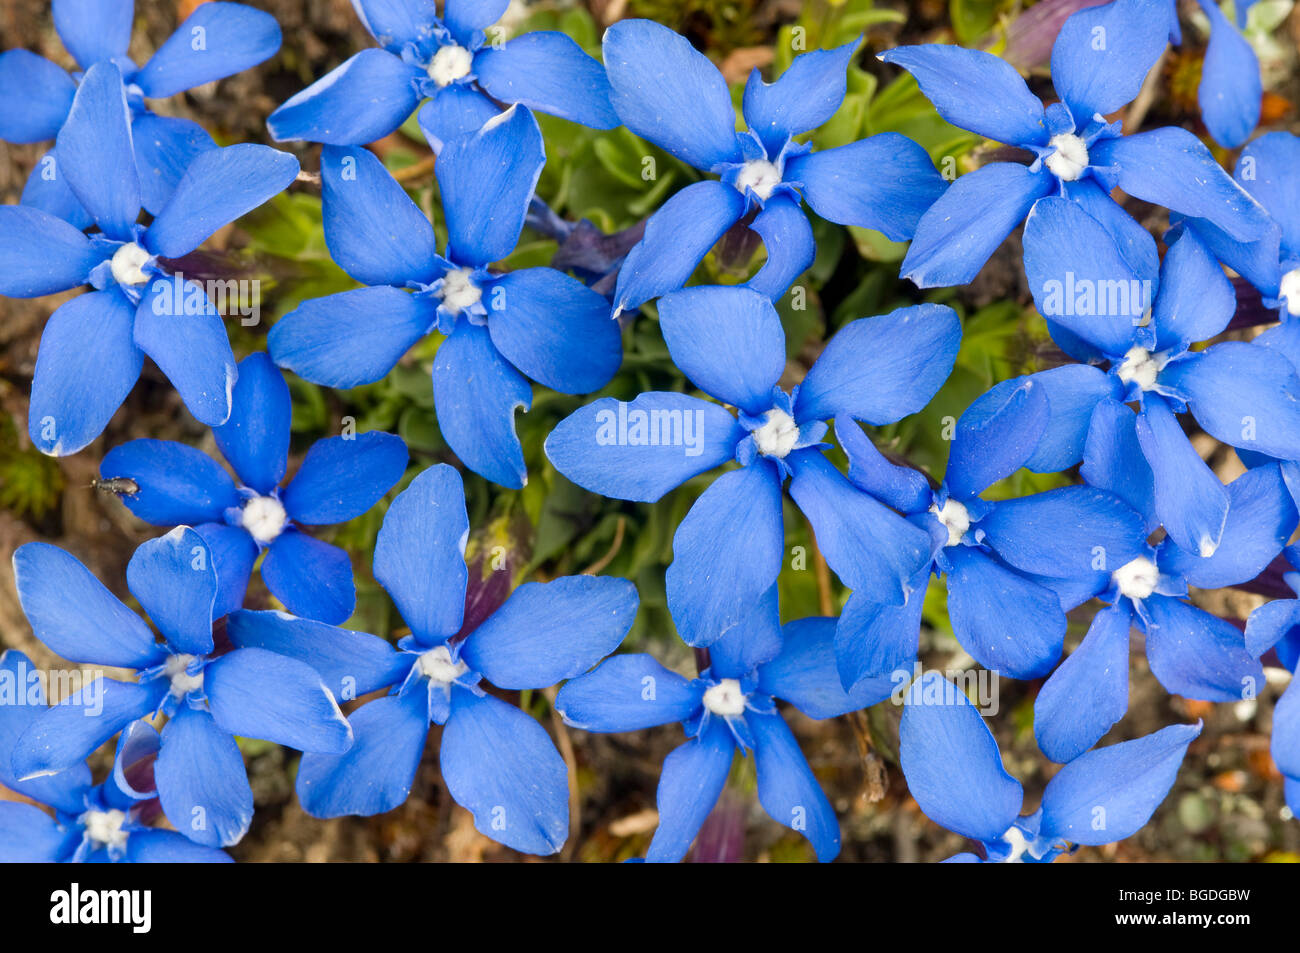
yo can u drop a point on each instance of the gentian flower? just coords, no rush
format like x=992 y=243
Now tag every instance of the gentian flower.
x=667 y=92
x=537 y=322
x=215 y=41
x=729 y=708
x=454 y=61
x=1144 y=325
x=1099 y=61
x=1230 y=92
x=496 y=761
x=93 y=346
x=208 y=697
x=1276 y=625
x=727 y=551
x=1006 y=620
x=339 y=479
x=954 y=771
x=91 y=822
x=1191 y=652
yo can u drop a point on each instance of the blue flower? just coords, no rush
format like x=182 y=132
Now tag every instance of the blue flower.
x=728 y=549
x=669 y=93
x=1006 y=620
x=340 y=478
x=1099 y=61
x=496 y=761
x=454 y=61
x=1191 y=652
x=1276 y=625
x=1144 y=325
x=91 y=822
x=1230 y=91
x=730 y=708
x=537 y=322
x=954 y=771
x=208 y=698
x=93 y=346
x=215 y=41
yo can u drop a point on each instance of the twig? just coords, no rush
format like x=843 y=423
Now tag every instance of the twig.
x=825 y=602
x=565 y=744
x=417 y=170
x=1146 y=97
x=614 y=547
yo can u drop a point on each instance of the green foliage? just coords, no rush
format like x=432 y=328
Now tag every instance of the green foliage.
x=30 y=482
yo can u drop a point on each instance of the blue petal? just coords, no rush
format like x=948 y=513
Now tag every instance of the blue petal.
x=1196 y=300
x=1088 y=693
x=547 y=71
x=342 y=477
x=1069 y=531
x=1092 y=80
x=788 y=240
x=886 y=182
x=754 y=640
x=1261 y=518
x=994 y=438
x=874 y=641
x=692 y=779
x=201 y=781
x=218 y=187
x=67 y=733
x=1230 y=93
x=952 y=764
x=164 y=148
x=233 y=553
x=175 y=581
x=1073 y=391
x=872 y=549
x=234 y=38
x=30 y=836
x=1008 y=623
x=1109 y=794
x=1134 y=242
x=373 y=229
x=975 y=90
x=554 y=329
x=46 y=190
x=376 y=773
x=626 y=450
x=804 y=674
x=880 y=369
x=1198 y=655
x=549 y=631
x=87 y=364
x=653 y=73
x=787 y=788
x=137 y=746
x=1271 y=623
x=627 y=693
x=726 y=553
x=967 y=223
x=1266 y=170
x=463 y=17
x=806 y=95
x=177 y=483
x=312 y=578
x=35 y=96
x=254 y=693
x=350 y=338
x=255 y=440
x=191 y=348
x=1113 y=459
x=420 y=554
x=501 y=765
x=1190 y=501
x=24 y=704
x=361 y=100
x=476 y=392
x=677 y=237
x=905 y=489
x=74 y=614
x=168 y=847
x=728 y=341
x=453 y=112
x=1286 y=736
x=95 y=152
x=395 y=22
x=486 y=182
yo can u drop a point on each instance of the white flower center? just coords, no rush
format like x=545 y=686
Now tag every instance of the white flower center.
x=458 y=291
x=1290 y=290
x=128 y=264
x=725 y=698
x=1137 y=578
x=264 y=518
x=449 y=64
x=759 y=175
x=105 y=827
x=182 y=681
x=778 y=434
x=1140 y=367
x=437 y=666
x=955 y=519
x=1070 y=158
